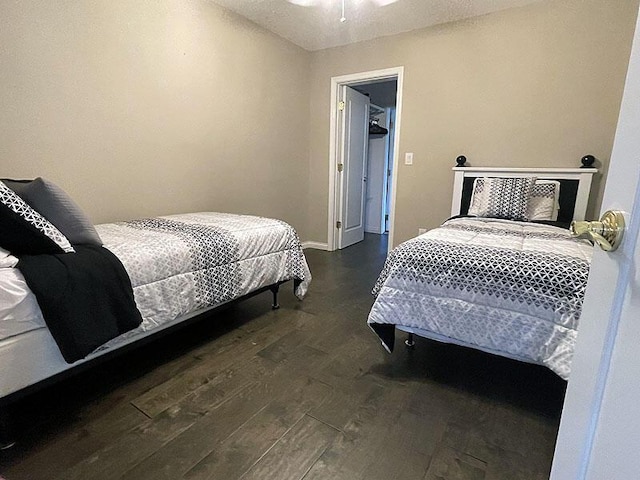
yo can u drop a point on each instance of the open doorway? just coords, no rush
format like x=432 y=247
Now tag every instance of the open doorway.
x=379 y=164
x=383 y=89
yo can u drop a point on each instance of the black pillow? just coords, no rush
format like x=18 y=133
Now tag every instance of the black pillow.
x=24 y=231
x=58 y=207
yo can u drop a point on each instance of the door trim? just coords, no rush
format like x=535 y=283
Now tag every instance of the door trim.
x=334 y=144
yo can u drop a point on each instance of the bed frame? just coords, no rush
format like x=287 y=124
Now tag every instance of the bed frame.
x=575 y=188
x=6 y=402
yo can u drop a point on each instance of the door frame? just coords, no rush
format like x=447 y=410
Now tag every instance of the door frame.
x=335 y=145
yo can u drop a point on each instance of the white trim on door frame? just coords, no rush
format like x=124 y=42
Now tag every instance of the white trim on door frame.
x=356 y=79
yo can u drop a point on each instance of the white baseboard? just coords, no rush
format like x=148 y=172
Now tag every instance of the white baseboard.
x=316 y=245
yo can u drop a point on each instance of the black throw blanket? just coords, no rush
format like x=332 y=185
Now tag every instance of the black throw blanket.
x=85 y=297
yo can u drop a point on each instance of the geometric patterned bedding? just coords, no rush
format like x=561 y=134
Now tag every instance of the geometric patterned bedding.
x=181 y=263
x=510 y=288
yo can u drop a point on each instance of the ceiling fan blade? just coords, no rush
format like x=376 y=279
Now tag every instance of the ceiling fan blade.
x=383 y=3
x=313 y=3
x=304 y=3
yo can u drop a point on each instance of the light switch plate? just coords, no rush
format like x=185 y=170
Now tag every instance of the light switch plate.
x=408 y=158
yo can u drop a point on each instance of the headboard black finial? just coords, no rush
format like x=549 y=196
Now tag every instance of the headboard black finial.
x=461 y=160
x=587 y=161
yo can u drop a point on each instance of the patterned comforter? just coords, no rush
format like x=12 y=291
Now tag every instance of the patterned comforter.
x=179 y=264
x=511 y=288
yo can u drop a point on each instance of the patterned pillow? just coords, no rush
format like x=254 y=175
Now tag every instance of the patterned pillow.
x=502 y=198
x=544 y=204
x=25 y=231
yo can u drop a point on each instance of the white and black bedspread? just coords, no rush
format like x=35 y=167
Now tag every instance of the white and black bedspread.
x=179 y=264
x=510 y=288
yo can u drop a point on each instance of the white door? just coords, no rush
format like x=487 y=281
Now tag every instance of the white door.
x=355 y=137
x=599 y=437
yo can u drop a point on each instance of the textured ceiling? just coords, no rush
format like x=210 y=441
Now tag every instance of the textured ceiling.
x=315 y=24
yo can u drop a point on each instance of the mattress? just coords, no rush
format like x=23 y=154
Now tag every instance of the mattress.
x=179 y=266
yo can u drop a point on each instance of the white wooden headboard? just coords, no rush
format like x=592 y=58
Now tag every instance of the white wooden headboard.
x=582 y=175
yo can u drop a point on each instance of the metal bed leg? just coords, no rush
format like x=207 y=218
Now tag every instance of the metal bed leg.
x=409 y=342
x=274 y=289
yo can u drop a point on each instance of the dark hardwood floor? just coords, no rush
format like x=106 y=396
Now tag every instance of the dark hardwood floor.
x=304 y=392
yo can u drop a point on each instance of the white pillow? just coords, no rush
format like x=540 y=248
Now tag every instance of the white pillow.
x=544 y=203
x=502 y=197
x=477 y=192
x=19 y=310
x=6 y=259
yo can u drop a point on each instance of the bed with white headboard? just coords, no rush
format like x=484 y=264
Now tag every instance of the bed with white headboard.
x=507 y=284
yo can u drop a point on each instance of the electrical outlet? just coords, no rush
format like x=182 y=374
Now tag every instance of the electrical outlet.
x=408 y=158
x=421 y=231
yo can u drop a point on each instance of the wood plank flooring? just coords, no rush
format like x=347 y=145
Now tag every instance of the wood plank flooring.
x=302 y=393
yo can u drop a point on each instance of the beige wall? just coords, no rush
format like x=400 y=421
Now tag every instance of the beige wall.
x=145 y=107
x=534 y=86
x=161 y=106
